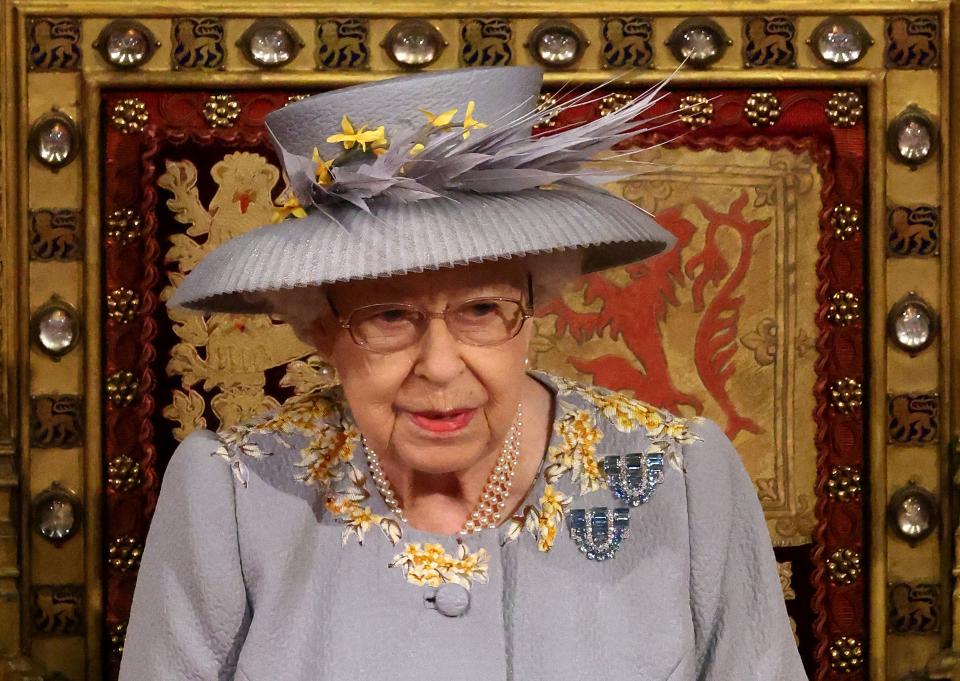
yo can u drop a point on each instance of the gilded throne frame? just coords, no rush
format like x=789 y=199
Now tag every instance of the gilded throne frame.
x=53 y=405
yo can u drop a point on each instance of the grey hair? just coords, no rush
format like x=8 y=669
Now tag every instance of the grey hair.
x=301 y=307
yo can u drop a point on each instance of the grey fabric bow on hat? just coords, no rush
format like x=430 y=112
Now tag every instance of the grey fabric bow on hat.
x=424 y=171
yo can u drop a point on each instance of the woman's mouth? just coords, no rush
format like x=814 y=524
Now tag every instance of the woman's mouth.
x=442 y=421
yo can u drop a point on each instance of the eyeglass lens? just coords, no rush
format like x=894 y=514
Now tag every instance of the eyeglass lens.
x=480 y=321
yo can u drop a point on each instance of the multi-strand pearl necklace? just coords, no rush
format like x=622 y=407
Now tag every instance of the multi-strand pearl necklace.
x=493 y=498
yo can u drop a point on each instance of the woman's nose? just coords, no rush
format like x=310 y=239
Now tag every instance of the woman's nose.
x=439 y=359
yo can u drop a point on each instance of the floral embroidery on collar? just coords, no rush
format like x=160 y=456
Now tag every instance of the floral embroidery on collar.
x=431 y=565
x=541 y=521
x=576 y=453
x=346 y=504
x=306 y=415
x=326 y=462
x=323 y=421
x=628 y=415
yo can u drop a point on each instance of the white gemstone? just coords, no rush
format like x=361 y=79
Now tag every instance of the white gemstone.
x=913 y=141
x=838 y=44
x=56 y=519
x=558 y=47
x=414 y=45
x=127 y=48
x=699 y=44
x=912 y=326
x=56 y=330
x=913 y=516
x=55 y=143
x=271 y=46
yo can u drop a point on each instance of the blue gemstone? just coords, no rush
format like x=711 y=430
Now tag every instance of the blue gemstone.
x=634 y=463
x=611 y=464
x=598 y=522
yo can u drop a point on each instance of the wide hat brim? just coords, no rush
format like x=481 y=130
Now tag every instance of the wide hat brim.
x=398 y=238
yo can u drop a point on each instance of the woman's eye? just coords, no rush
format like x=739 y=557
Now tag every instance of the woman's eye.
x=481 y=309
x=393 y=316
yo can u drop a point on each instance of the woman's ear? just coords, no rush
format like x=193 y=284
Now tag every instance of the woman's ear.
x=320 y=335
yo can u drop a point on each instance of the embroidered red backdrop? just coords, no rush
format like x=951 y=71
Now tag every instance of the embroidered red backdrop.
x=747 y=321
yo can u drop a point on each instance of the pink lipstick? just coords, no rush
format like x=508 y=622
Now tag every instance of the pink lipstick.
x=442 y=421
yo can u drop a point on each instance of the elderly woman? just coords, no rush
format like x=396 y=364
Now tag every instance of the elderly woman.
x=444 y=512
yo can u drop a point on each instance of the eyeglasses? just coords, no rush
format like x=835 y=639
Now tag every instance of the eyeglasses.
x=390 y=327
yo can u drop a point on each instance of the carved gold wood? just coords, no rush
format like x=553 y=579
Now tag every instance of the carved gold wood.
x=909 y=63
x=236 y=351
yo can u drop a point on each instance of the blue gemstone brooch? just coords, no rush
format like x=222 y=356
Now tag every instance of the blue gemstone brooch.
x=599 y=531
x=633 y=477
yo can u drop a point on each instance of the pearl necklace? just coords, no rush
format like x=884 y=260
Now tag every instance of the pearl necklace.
x=493 y=498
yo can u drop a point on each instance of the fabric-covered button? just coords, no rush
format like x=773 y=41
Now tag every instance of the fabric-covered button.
x=451 y=599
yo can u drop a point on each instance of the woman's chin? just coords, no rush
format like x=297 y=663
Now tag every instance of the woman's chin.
x=438 y=457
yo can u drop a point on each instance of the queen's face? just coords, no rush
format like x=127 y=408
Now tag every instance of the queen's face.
x=441 y=405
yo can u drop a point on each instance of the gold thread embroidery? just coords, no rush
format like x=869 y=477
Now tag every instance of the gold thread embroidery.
x=431 y=565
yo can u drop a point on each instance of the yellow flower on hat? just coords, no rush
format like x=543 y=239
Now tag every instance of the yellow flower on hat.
x=470 y=122
x=363 y=137
x=439 y=120
x=322 y=168
x=291 y=206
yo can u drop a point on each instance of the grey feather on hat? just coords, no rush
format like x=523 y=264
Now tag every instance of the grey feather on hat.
x=427 y=171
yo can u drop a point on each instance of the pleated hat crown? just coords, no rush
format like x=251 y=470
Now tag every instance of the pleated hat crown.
x=398 y=104
x=426 y=171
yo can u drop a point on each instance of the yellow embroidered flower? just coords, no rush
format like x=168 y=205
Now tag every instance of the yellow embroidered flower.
x=290 y=206
x=469 y=122
x=322 y=169
x=346 y=506
x=328 y=454
x=362 y=517
x=424 y=577
x=432 y=556
x=351 y=438
x=667 y=431
x=677 y=429
x=439 y=120
x=349 y=137
x=553 y=501
x=337 y=504
x=298 y=414
x=431 y=565
x=543 y=521
x=653 y=423
x=579 y=436
x=621 y=411
x=416 y=149
x=547 y=533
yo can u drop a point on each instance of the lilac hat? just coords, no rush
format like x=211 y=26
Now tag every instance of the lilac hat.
x=427 y=171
